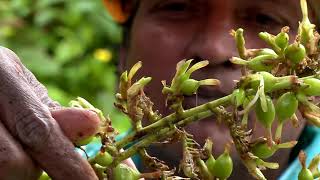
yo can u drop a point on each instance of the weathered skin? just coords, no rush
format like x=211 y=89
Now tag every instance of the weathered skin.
x=28 y=130
x=79 y=124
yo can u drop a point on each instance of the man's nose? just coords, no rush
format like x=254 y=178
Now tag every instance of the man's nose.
x=212 y=41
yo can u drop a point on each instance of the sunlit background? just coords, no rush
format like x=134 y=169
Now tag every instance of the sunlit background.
x=70 y=46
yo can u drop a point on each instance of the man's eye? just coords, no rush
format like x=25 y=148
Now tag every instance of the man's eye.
x=175 y=7
x=265 y=19
x=176 y=10
x=262 y=21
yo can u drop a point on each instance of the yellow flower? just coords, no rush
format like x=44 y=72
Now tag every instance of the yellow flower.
x=103 y=55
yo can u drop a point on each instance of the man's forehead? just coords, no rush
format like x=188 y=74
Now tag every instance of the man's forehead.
x=287 y=3
x=313 y=4
x=275 y=1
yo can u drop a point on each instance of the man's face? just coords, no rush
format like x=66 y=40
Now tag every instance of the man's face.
x=167 y=31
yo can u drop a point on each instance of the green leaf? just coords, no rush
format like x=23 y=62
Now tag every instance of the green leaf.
x=68 y=49
x=46 y=16
x=38 y=61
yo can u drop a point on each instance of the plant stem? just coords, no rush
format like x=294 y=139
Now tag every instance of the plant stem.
x=286 y=82
x=160 y=135
x=171 y=119
x=142 y=144
x=166 y=126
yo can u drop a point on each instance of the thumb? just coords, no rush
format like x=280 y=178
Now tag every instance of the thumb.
x=76 y=123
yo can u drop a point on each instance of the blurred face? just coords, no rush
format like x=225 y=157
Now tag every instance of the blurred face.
x=167 y=31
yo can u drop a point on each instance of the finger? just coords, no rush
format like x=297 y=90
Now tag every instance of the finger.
x=15 y=164
x=38 y=88
x=77 y=124
x=29 y=120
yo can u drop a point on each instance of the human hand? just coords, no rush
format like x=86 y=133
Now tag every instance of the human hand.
x=30 y=135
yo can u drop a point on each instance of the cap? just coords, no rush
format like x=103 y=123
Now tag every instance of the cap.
x=116 y=10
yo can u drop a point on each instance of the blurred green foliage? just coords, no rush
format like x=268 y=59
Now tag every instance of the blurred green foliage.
x=70 y=46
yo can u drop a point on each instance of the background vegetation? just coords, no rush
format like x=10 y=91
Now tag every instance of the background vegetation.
x=70 y=46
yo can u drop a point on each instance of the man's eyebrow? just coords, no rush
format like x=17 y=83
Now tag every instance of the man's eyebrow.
x=277 y=1
x=282 y=2
x=157 y=1
x=290 y=5
x=151 y=3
